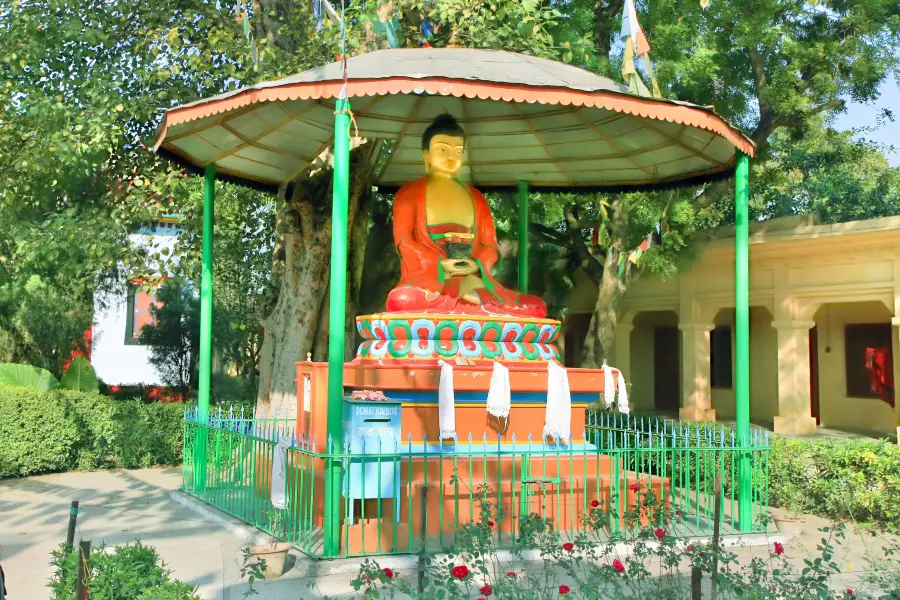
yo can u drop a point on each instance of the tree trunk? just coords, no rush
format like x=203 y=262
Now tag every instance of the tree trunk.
x=298 y=323
x=602 y=330
x=290 y=329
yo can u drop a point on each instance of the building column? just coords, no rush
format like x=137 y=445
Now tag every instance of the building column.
x=895 y=352
x=695 y=373
x=794 y=415
x=623 y=348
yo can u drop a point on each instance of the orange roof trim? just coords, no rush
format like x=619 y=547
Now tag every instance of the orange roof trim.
x=652 y=108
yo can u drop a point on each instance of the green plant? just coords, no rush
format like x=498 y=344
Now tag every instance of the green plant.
x=839 y=479
x=174 y=338
x=642 y=560
x=27 y=376
x=129 y=572
x=253 y=568
x=80 y=376
x=59 y=430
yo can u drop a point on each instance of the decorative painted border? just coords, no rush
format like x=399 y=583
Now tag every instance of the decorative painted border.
x=459 y=328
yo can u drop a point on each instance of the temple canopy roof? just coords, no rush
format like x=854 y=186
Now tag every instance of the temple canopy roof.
x=527 y=119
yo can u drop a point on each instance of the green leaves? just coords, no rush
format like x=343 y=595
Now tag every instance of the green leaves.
x=27 y=376
x=80 y=376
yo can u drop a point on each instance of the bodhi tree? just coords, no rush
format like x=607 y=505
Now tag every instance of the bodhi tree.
x=82 y=84
x=766 y=65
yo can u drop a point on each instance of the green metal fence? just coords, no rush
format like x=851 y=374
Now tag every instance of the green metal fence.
x=410 y=493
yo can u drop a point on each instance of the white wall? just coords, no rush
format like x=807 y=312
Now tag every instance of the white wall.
x=115 y=362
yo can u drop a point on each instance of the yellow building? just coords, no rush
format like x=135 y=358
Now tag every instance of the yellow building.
x=824 y=321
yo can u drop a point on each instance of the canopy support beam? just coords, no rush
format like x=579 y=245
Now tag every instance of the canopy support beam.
x=742 y=338
x=337 y=309
x=523 y=237
x=206 y=310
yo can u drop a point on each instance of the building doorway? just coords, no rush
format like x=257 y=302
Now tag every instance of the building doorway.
x=814 y=373
x=666 y=367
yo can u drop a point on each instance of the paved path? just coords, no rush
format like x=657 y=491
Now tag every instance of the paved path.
x=121 y=506
x=116 y=507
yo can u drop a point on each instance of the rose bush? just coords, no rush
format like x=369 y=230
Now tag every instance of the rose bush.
x=547 y=564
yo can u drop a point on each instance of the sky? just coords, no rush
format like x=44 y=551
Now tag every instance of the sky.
x=866 y=115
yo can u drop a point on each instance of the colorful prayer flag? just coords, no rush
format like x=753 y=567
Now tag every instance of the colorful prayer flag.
x=631 y=28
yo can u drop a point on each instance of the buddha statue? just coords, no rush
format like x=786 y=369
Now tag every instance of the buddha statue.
x=445 y=235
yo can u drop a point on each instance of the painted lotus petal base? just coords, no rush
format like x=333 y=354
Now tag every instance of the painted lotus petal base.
x=417 y=338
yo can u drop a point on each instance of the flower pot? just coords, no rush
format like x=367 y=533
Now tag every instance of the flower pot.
x=789 y=526
x=274 y=554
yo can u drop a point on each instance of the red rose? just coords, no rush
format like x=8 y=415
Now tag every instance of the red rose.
x=659 y=533
x=779 y=548
x=677 y=513
x=595 y=503
x=511 y=574
x=388 y=572
x=568 y=546
x=486 y=590
x=849 y=592
x=635 y=487
x=618 y=566
x=114 y=388
x=690 y=548
x=563 y=590
x=491 y=523
x=459 y=571
x=481 y=598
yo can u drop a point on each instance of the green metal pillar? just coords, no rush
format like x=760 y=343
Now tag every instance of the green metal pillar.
x=523 y=237
x=336 y=323
x=206 y=309
x=742 y=336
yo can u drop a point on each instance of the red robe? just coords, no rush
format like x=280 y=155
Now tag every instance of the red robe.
x=423 y=287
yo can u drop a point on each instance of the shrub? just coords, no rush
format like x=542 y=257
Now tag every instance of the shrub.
x=639 y=561
x=59 y=430
x=839 y=479
x=129 y=572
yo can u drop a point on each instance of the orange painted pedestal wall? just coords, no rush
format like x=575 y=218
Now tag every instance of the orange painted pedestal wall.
x=417 y=389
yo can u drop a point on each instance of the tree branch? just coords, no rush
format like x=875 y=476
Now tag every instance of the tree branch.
x=579 y=249
x=548 y=234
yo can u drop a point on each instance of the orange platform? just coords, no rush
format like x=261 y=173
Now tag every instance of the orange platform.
x=416 y=388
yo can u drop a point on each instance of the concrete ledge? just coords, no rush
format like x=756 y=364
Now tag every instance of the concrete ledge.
x=795 y=425
x=305 y=566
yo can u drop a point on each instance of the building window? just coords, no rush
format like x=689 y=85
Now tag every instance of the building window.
x=140 y=313
x=869 y=361
x=720 y=363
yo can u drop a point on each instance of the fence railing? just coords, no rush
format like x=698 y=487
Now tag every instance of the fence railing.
x=401 y=495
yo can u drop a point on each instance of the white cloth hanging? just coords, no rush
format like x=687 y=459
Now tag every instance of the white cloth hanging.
x=279 y=473
x=623 y=394
x=446 y=403
x=558 y=415
x=609 y=386
x=499 y=397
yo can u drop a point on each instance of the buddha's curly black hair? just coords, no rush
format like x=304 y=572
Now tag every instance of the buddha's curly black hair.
x=443 y=124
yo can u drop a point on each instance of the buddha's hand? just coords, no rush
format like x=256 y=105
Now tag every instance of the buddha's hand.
x=458 y=266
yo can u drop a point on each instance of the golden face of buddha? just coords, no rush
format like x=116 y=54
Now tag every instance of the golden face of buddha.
x=445 y=154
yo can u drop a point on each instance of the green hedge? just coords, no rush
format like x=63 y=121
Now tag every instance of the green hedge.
x=128 y=572
x=841 y=479
x=62 y=430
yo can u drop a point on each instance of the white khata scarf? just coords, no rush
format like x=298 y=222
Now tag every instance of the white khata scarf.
x=623 y=394
x=499 y=397
x=279 y=473
x=446 y=403
x=609 y=386
x=558 y=416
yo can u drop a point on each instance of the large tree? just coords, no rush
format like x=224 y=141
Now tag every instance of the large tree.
x=82 y=85
x=766 y=65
